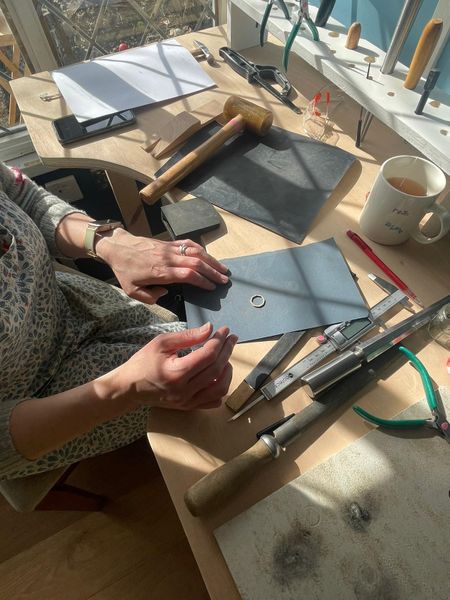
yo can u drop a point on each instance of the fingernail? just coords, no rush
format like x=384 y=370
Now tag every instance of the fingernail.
x=234 y=339
x=206 y=325
x=224 y=278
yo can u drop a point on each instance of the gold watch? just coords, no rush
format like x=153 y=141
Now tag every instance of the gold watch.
x=94 y=228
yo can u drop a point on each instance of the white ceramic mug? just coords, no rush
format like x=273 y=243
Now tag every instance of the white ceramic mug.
x=406 y=189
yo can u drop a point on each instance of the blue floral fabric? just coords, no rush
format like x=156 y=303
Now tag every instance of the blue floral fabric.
x=58 y=331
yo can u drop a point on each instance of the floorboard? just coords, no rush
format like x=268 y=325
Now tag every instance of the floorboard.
x=135 y=548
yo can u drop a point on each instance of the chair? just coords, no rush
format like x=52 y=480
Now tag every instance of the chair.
x=48 y=491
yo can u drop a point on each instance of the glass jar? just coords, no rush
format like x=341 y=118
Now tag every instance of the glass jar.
x=439 y=326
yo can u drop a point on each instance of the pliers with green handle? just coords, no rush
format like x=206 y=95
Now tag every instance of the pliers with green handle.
x=303 y=13
x=438 y=421
x=266 y=15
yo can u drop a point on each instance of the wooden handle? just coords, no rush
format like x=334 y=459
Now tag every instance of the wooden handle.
x=239 y=397
x=153 y=192
x=423 y=52
x=353 y=35
x=216 y=487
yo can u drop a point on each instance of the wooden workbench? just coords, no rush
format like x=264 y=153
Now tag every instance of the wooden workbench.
x=188 y=445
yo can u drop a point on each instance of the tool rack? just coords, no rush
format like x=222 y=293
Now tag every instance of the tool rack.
x=381 y=95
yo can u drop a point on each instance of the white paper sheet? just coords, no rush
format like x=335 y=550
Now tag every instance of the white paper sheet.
x=130 y=79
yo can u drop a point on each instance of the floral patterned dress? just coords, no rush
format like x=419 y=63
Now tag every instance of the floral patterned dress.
x=59 y=330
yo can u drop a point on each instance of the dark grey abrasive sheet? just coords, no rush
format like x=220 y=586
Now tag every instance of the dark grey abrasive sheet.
x=302 y=288
x=279 y=181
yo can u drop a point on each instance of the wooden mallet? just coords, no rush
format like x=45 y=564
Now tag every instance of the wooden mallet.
x=240 y=114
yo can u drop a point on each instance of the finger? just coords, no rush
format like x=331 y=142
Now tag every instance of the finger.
x=214 y=370
x=191 y=272
x=206 y=355
x=194 y=250
x=148 y=295
x=170 y=342
x=212 y=396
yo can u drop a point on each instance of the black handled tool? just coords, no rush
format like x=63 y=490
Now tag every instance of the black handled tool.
x=325 y=8
x=427 y=88
x=263 y=75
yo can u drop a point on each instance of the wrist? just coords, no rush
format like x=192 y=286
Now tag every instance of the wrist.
x=106 y=243
x=109 y=389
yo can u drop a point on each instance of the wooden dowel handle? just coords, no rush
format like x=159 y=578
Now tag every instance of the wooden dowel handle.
x=353 y=35
x=153 y=192
x=423 y=52
x=239 y=397
x=215 y=488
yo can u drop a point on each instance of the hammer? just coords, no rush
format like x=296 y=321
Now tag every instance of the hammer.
x=240 y=114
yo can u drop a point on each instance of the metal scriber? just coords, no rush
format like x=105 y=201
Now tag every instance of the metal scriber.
x=337 y=338
x=263 y=75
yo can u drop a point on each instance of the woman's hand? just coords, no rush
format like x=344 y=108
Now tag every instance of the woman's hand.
x=140 y=262
x=157 y=376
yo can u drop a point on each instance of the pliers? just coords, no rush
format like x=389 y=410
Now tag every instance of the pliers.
x=303 y=13
x=439 y=419
x=266 y=15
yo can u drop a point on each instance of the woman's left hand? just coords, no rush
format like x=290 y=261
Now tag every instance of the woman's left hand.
x=143 y=266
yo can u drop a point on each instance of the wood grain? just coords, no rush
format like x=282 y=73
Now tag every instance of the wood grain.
x=135 y=548
x=179 y=129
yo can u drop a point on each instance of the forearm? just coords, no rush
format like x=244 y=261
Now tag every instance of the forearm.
x=41 y=425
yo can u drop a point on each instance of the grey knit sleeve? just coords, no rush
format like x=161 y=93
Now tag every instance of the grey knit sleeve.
x=45 y=209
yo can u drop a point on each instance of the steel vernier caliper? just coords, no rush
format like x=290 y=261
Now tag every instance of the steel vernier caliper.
x=336 y=338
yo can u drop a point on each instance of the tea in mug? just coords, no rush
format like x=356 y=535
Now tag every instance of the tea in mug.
x=407 y=186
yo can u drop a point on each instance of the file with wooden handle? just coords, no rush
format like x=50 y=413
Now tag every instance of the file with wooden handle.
x=423 y=52
x=258 y=376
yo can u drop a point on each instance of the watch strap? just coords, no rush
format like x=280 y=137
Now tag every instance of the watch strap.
x=94 y=228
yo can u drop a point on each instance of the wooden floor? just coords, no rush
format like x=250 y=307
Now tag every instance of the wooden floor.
x=134 y=549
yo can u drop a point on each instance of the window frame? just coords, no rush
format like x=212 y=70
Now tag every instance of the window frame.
x=29 y=32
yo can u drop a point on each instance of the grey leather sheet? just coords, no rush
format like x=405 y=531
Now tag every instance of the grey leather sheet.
x=302 y=288
x=279 y=181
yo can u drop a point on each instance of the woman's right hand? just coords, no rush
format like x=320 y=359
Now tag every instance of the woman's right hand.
x=157 y=376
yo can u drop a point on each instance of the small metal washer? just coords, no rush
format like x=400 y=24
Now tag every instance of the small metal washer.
x=257 y=301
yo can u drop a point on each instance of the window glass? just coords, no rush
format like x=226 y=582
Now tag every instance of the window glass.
x=76 y=30
x=83 y=29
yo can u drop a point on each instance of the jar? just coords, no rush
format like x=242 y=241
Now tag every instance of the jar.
x=439 y=326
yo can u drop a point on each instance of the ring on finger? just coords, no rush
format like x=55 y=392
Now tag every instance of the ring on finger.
x=183 y=248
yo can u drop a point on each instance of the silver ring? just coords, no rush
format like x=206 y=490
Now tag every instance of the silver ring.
x=183 y=249
x=258 y=301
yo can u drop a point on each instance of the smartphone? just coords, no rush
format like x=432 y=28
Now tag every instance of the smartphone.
x=68 y=129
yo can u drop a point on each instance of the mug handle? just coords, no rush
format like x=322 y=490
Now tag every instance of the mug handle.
x=443 y=216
